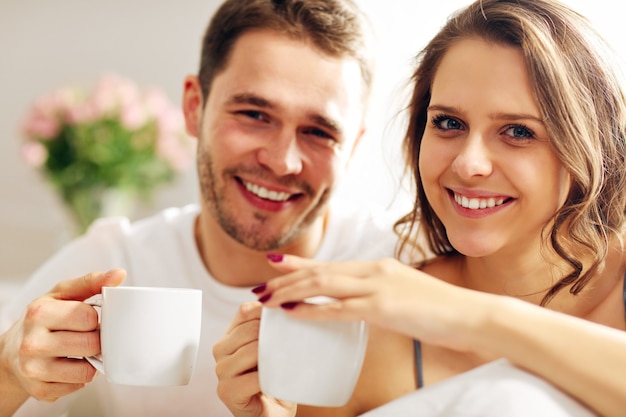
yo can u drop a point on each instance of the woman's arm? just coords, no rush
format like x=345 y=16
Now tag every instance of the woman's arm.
x=584 y=359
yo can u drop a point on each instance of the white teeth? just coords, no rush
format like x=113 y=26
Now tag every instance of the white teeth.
x=265 y=193
x=477 y=203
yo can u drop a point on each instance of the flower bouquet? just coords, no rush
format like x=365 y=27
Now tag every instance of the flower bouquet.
x=117 y=137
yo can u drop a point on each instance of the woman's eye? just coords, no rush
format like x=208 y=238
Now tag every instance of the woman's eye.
x=444 y=122
x=519 y=132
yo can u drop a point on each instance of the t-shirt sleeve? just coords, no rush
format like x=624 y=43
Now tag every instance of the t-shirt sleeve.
x=100 y=249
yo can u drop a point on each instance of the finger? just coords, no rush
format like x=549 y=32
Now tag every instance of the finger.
x=290 y=263
x=245 y=333
x=239 y=391
x=344 y=310
x=54 y=314
x=77 y=344
x=304 y=285
x=247 y=311
x=52 y=391
x=62 y=370
x=242 y=362
x=88 y=285
x=317 y=270
x=49 y=380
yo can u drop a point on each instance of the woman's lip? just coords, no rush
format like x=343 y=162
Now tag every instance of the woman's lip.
x=474 y=209
x=477 y=193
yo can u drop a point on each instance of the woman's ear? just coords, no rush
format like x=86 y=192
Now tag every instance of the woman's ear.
x=192 y=105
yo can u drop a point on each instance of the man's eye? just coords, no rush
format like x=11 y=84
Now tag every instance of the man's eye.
x=444 y=122
x=253 y=114
x=317 y=133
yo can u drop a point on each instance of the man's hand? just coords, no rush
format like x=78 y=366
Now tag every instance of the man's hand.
x=39 y=353
x=236 y=367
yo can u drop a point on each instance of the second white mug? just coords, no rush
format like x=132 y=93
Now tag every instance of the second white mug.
x=310 y=362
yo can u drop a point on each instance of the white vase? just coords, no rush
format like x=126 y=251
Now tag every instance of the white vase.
x=118 y=202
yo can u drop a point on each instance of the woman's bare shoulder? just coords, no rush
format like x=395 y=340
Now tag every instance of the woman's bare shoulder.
x=445 y=267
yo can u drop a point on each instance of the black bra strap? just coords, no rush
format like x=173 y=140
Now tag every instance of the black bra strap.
x=417 y=350
x=624 y=295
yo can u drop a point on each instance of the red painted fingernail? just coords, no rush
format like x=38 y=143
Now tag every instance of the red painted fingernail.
x=290 y=305
x=259 y=289
x=275 y=257
x=265 y=298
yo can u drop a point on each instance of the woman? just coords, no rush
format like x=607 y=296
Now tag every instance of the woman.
x=517 y=145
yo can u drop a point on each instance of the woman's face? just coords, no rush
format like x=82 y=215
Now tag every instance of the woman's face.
x=486 y=163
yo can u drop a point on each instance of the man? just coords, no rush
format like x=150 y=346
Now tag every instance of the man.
x=278 y=108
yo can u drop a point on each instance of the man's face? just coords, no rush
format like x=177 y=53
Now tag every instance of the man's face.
x=276 y=132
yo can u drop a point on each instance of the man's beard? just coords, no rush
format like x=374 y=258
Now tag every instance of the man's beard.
x=253 y=236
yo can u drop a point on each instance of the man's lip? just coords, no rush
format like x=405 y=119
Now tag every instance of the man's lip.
x=266 y=191
x=266 y=204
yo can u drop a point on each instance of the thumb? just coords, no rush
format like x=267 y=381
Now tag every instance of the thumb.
x=81 y=288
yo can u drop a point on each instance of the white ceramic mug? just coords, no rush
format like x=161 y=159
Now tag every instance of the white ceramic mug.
x=149 y=336
x=310 y=362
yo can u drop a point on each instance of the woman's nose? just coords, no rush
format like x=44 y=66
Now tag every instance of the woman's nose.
x=473 y=159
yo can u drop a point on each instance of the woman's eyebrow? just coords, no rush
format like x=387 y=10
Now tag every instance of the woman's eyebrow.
x=494 y=116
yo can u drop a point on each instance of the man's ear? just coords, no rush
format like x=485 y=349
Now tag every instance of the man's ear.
x=192 y=105
x=356 y=144
x=358 y=140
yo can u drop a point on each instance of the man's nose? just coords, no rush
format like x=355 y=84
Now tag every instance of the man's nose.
x=282 y=155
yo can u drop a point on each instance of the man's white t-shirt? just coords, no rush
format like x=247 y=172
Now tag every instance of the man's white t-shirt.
x=161 y=251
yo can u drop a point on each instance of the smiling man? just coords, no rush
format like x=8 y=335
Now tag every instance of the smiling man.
x=278 y=107
x=276 y=133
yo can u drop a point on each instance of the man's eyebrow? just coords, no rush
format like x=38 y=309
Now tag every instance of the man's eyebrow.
x=246 y=98
x=326 y=123
x=255 y=100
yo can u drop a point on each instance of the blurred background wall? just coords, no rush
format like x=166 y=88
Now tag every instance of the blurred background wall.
x=47 y=44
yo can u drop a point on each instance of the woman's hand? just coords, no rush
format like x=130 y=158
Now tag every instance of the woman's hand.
x=385 y=293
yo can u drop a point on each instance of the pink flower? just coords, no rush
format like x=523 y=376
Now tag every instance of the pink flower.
x=156 y=102
x=41 y=123
x=113 y=92
x=133 y=116
x=83 y=112
x=34 y=153
x=177 y=149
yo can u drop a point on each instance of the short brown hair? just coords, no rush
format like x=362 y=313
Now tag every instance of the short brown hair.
x=336 y=27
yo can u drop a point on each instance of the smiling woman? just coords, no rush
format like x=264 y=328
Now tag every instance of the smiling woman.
x=518 y=158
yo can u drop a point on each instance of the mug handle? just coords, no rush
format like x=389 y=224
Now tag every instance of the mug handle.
x=95 y=361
